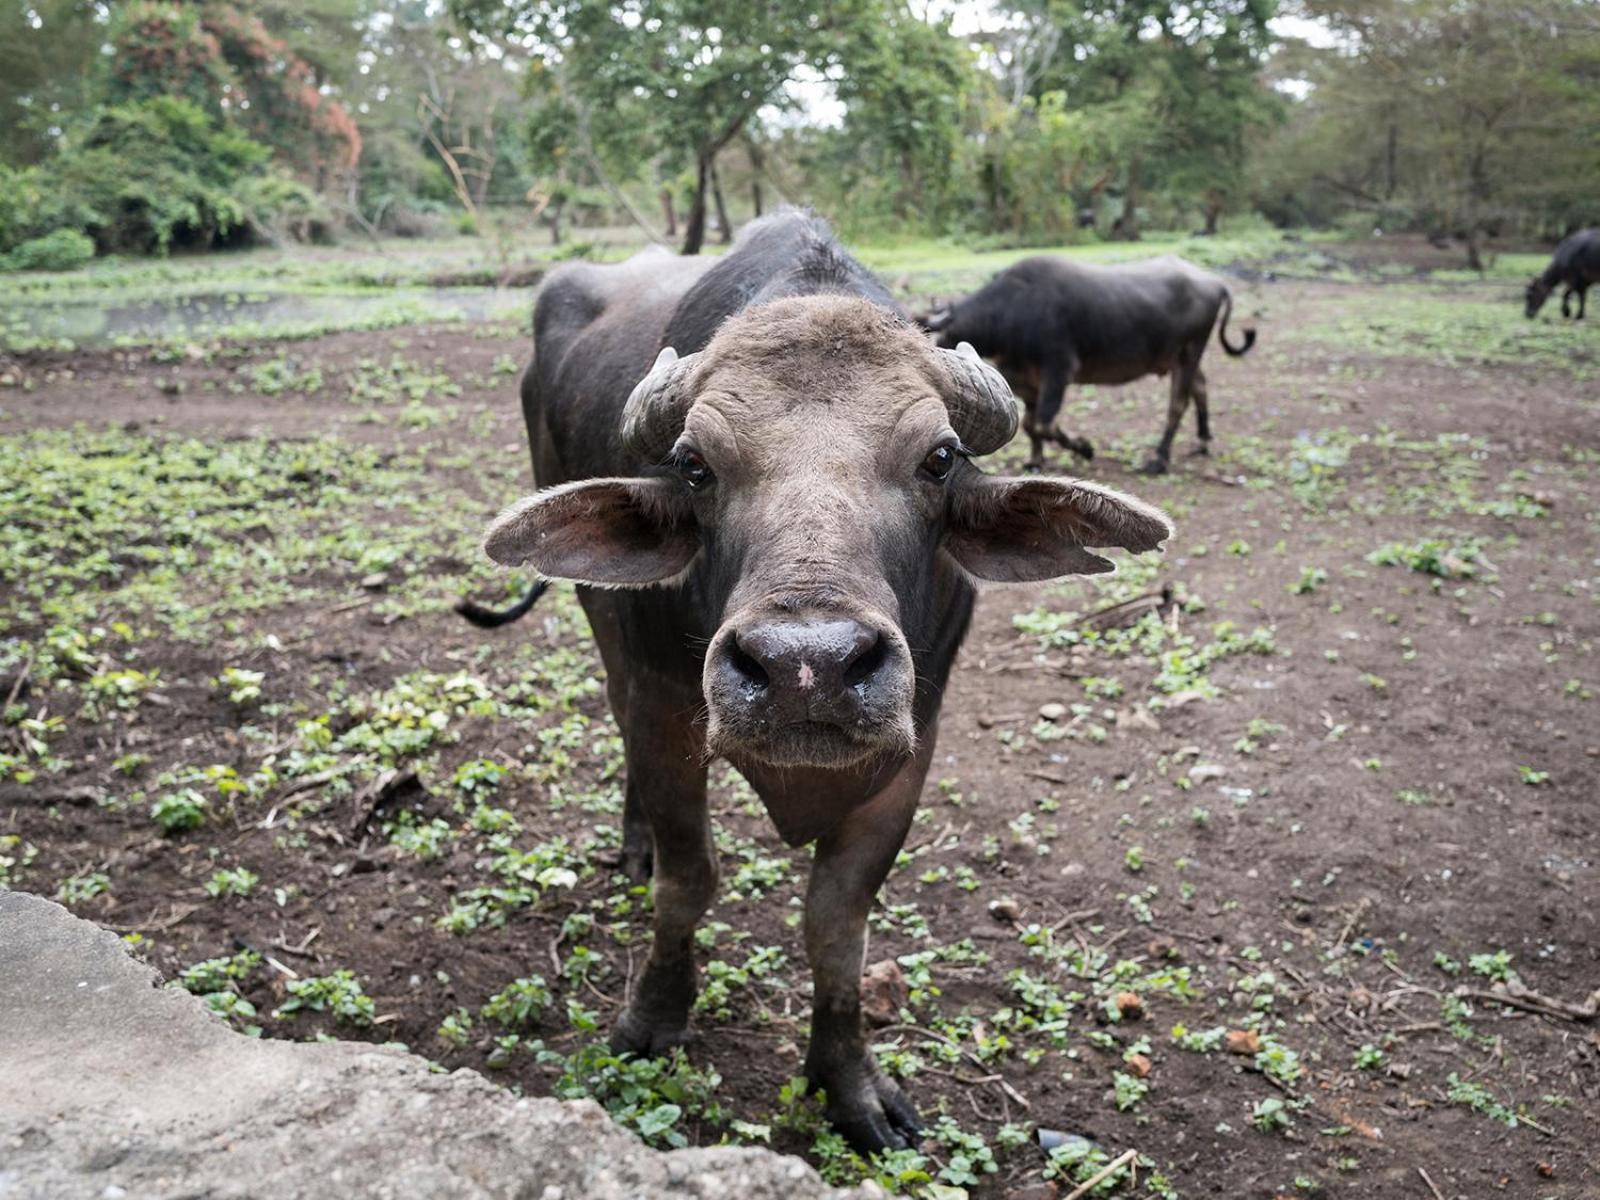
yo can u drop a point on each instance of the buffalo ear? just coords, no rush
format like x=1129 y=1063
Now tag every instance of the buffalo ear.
x=1027 y=530
x=623 y=533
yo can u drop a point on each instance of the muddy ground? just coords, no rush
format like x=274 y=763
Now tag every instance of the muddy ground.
x=1316 y=807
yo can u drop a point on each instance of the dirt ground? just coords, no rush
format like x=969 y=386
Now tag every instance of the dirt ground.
x=1314 y=808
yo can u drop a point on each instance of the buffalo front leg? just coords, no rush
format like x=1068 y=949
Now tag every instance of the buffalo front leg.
x=1583 y=297
x=866 y=1106
x=667 y=774
x=1042 y=417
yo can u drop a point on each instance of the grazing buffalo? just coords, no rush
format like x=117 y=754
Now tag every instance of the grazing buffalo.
x=1574 y=266
x=1048 y=323
x=775 y=531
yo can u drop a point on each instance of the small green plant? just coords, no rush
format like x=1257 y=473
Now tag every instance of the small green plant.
x=15 y=857
x=1436 y=556
x=1492 y=966
x=456 y=1028
x=75 y=889
x=521 y=1003
x=177 y=812
x=1128 y=1090
x=1271 y=1115
x=1478 y=1098
x=1311 y=578
x=232 y=881
x=1368 y=1058
x=339 y=994
x=238 y=685
x=1533 y=778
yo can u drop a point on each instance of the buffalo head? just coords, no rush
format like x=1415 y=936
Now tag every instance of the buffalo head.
x=809 y=479
x=1534 y=296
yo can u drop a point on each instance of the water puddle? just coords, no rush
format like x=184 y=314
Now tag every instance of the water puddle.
x=96 y=321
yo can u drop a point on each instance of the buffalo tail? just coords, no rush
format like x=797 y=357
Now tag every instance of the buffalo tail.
x=490 y=618
x=1222 y=329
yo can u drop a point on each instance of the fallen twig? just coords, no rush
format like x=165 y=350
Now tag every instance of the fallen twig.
x=180 y=912
x=1437 y=1194
x=1519 y=995
x=1116 y=1164
x=919 y=1031
x=1354 y=920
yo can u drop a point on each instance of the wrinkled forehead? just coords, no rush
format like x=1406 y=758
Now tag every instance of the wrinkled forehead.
x=795 y=411
x=843 y=371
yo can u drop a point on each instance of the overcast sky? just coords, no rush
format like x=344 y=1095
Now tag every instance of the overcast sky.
x=817 y=104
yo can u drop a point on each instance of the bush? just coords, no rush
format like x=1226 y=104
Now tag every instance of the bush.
x=62 y=250
x=147 y=175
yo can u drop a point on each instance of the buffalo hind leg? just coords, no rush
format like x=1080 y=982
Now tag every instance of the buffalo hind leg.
x=1202 y=413
x=866 y=1106
x=1178 y=400
x=1583 y=296
x=665 y=754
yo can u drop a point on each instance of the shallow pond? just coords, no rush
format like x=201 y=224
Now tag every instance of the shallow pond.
x=97 y=320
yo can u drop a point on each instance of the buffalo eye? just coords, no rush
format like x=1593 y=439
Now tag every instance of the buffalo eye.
x=692 y=469
x=940 y=462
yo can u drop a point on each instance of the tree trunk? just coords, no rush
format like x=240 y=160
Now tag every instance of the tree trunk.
x=725 y=225
x=1391 y=160
x=555 y=224
x=669 y=212
x=1126 y=228
x=694 y=230
x=1213 y=214
x=758 y=164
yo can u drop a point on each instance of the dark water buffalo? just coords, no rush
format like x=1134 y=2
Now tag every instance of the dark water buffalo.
x=1048 y=323
x=1574 y=266
x=775 y=531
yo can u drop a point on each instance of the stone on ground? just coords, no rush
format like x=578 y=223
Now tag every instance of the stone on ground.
x=112 y=1085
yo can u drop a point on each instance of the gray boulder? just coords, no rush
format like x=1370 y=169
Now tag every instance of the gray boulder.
x=113 y=1086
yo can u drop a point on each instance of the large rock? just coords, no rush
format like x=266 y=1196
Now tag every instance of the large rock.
x=113 y=1086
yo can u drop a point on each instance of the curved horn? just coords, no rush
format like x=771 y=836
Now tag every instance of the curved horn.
x=982 y=409
x=653 y=417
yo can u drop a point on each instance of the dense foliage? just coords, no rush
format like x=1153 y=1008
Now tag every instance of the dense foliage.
x=148 y=125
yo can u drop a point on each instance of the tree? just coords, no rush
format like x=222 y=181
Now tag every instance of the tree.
x=48 y=51
x=1464 y=117
x=679 y=78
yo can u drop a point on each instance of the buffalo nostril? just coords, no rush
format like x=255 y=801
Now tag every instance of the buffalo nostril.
x=866 y=662
x=746 y=665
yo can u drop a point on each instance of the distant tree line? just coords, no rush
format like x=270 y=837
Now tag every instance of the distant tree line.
x=146 y=126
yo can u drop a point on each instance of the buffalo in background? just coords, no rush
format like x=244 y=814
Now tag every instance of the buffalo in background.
x=1048 y=323
x=1575 y=265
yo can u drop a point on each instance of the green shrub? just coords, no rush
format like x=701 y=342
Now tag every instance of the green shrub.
x=60 y=250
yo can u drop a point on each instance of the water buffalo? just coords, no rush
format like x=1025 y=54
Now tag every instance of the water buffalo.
x=775 y=531
x=1575 y=265
x=1048 y=323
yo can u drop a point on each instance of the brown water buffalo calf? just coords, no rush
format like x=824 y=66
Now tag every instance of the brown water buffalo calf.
x=775 y=531
x=1573 y=267
x=1048 y=323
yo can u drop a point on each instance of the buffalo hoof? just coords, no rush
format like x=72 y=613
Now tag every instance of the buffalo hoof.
x=1203 y=450
x=639 y=1034
x=636 y=862
x=1082 y=447
x=873 y=1114
x=1155 y=466
x=1032 y=466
